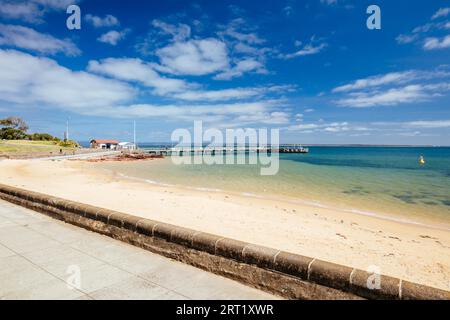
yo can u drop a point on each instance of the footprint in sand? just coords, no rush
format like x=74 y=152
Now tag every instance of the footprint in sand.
x=427 y=237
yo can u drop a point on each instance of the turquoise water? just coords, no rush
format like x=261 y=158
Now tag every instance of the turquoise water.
x=380 y=180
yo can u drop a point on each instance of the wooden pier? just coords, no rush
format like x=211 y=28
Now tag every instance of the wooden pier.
x=223 y=150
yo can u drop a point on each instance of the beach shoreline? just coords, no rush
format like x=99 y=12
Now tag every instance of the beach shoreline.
x=412 y=252
x=422 y=221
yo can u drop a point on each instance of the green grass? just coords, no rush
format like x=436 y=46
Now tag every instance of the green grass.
x=25 y=146
x=28 y=142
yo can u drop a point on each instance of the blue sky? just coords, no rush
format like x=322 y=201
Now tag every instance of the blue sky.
x=310 y=68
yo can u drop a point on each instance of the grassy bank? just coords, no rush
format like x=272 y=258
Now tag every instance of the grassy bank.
x=30 y=149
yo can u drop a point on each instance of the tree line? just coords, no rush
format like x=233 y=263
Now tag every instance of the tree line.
x=14 y=128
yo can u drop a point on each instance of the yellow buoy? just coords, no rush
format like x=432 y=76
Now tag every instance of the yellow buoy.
x=421 y=160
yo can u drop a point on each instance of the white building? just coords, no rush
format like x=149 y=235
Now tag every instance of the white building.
x=126 y=146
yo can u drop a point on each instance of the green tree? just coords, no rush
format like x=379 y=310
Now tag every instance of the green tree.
x=15 y=123
x=13 y=128
x=42 y=137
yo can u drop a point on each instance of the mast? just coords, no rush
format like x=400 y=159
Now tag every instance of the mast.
x=67 y=130
x=134 y=133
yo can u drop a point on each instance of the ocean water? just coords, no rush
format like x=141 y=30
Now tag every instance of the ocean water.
x=385 y=181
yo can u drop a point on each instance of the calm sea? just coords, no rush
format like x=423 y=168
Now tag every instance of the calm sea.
x=387 y=181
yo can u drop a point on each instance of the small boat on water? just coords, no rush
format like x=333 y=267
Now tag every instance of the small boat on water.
x=421 y=160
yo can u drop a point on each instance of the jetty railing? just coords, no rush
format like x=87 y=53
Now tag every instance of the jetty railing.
x=223 y=150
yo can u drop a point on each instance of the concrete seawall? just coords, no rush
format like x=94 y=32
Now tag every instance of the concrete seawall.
x=289 y=275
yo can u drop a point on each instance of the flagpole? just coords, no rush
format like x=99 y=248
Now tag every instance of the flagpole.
x=67 y=130
x=134 y=133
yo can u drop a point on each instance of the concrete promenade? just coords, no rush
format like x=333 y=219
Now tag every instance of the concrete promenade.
x=42 y=258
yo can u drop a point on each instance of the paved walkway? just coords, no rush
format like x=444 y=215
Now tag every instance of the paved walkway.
x=39 y=256
x=86 y=155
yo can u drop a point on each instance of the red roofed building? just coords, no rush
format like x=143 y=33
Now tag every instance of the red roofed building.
x=104 y=144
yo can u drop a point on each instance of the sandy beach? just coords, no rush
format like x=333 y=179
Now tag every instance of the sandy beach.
x=415 y=252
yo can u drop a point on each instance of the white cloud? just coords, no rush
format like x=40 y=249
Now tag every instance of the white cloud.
x=329 y=2
x=41 y=82
x=241 y=67
x=390 y=89
x=442 y=12
x=233 y=114
x=392 y=128
x=26 y=11
x=433 y=124
x=375 y=81
x=323 y=127
x=250 y=38
x=235 y=52
x=245 y=49
x=273 y=118
x=411 y=125
x=424 y=28
x=232 y=94
x=343 y=4
x=308 y=49
x=394 y=78
x=299 y=117
x=437 y=43
x=350 y=129
x=430 y=27
x=245 y=46
x=99 y=22
x=29 y=80
x=391 y=97
x=55 y=4
x=405 y=38
x=138 y=71
x=282 y=88
x=31 y=11
x=288 y=10
x=218 y=95
x=302 y=127
x=113 y=37
x=178 y=32
x=194 y=57
x=430 y=42
x=240 y=30
x=29 y=39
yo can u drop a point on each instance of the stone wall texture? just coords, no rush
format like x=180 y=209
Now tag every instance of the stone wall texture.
x=285 y=274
